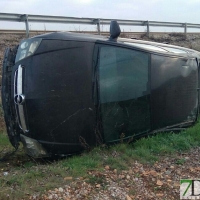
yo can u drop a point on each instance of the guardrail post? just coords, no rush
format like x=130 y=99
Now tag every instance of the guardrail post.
x=98 y=26
x=27 y=26
x=97 y=22
x=148 y=30
x=185 y=30
x=25 y=19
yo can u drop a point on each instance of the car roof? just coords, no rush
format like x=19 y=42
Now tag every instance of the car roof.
x=134 y=43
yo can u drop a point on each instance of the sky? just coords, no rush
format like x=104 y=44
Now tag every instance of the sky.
x=152 y=10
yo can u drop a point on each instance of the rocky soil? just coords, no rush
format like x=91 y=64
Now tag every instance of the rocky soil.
x=160 y=181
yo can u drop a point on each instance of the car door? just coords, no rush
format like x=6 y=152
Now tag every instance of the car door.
x=124 y=92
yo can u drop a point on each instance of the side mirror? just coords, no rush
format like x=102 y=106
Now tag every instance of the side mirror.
x=114 y=30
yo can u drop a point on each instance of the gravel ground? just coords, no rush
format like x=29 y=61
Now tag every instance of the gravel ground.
x=142 y=181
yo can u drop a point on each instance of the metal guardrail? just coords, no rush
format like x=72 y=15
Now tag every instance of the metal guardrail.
x=91 y=21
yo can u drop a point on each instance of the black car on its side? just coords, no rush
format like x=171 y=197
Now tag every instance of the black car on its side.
x=63 y=92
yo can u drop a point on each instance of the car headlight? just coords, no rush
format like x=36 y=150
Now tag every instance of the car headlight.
x=27 y=47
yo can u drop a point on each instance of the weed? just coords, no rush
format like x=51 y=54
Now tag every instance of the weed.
x=79 y=165
x=180 y=161
x=29 y=164
x=116 y=163
x=177 y=34
x=132 y=191
x=137 y=175
x=95 y=180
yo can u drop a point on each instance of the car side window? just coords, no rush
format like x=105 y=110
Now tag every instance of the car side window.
x=123 y=74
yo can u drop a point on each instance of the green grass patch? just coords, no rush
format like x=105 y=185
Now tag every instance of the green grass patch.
x=4 y=141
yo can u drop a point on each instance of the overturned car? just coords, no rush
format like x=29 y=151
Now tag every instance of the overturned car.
x=64 y=92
